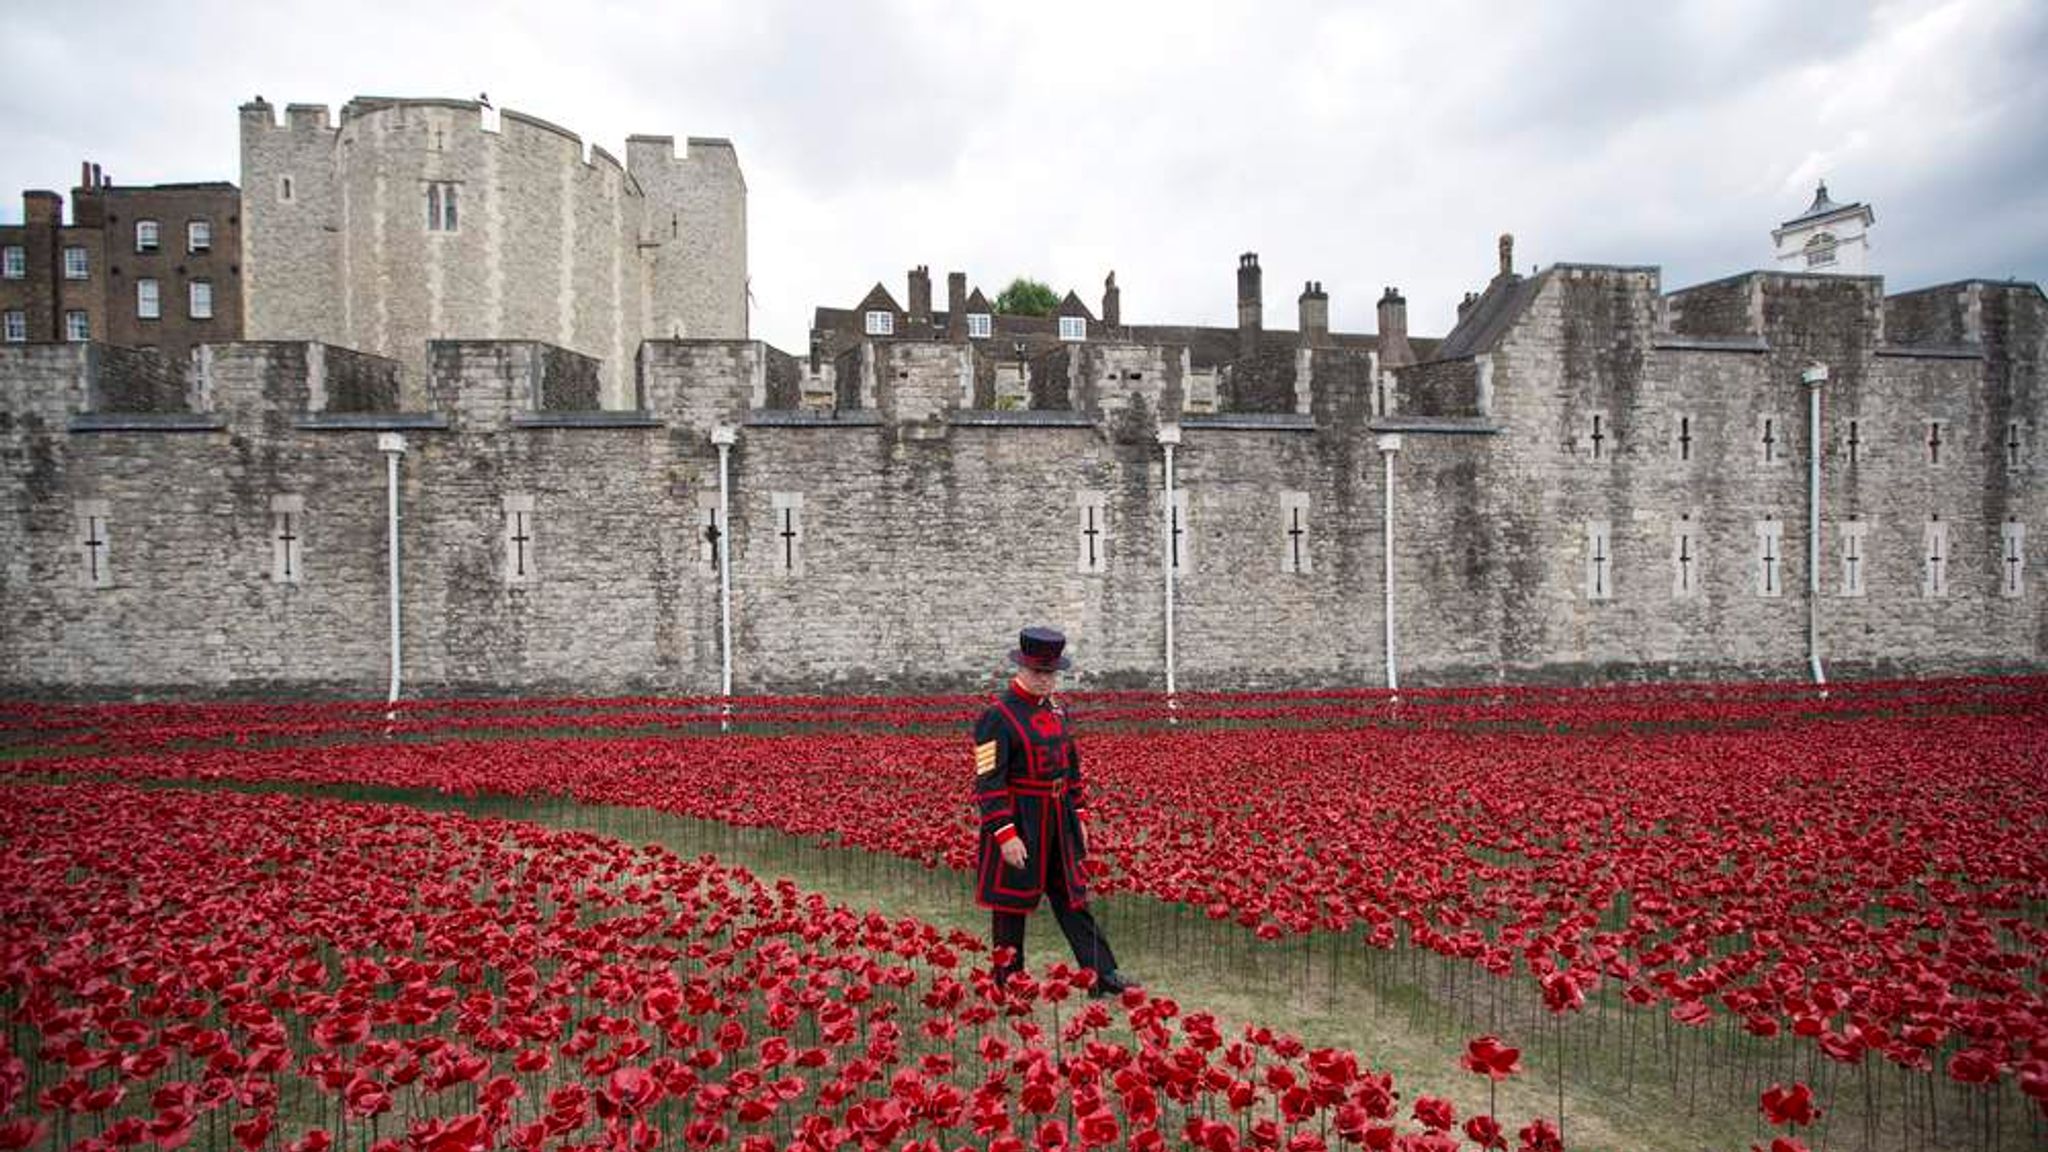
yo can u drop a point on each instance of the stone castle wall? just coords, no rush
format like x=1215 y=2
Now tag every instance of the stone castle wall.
x=549 y=243
x=550 y=544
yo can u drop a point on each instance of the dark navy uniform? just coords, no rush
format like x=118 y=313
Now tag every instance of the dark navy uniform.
x=1027 y=785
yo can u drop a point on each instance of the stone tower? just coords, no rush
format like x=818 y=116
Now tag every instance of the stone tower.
x=409 y=221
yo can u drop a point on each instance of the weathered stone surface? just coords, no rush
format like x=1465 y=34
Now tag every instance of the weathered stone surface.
x=934 y=524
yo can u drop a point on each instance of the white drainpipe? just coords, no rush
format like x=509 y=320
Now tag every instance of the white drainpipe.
x=724 y=437
x=1815 y=376
x=1389 y=444
x=1169 y=437
x=392 y=444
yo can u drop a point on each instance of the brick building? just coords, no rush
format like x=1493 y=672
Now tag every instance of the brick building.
x=155 y=267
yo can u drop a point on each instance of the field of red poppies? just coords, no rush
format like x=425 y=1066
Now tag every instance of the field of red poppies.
x=1842 y=896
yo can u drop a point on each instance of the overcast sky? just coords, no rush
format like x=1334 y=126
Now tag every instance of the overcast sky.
x=1362 y=145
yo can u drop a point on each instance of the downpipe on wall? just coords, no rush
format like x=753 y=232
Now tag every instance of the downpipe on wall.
x=724 y=436
x=1169 y=438
x=1389 y=444
x=1814 y=377
x=392 y=445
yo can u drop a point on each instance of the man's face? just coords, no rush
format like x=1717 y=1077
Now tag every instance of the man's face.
x=1040 y=681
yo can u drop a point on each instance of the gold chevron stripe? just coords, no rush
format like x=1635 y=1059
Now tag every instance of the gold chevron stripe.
x=984 y=758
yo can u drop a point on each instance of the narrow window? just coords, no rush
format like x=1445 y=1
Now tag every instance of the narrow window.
x=519 y=542
x=14 y=262
x=1685 y=558
x=77 y=326
x=441 y=206
x=147 y=304
x=1294 y=535
x=1936 y=433
x=95 y=544
x=1934 y=578
x=145 y=236
x=1855 y=537
x=710 y=532
x=433 y=207
x=1599 y=435
x=881 y=323
x=1073 y=328
x=1599 y=561
x=284 y=189
x=1179 y=551
x=287 y=543
x=1854 y=441
x=200 y=299
x=75 y=266
x=1092 y=512
x=1770 y=554
x=1767 y=439
x=2012 y=552
x=787 y=520
x=2015 y=445
x=198 y=236
x=1685 y=439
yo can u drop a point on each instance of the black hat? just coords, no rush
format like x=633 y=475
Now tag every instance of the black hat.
x=1039 y=649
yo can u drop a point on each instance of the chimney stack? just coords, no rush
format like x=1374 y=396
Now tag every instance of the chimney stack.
x=921 y=295
x=1394 y=349
x=1112 y=303
x=1507 y=254
x=1466 y=304
x=956 y=303
x=1250 y=303
x=1315 y=314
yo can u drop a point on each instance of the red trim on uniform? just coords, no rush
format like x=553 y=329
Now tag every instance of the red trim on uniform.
x=1005 y=834
x=1018 y=687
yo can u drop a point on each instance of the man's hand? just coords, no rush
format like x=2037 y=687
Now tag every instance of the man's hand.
x=1013 y=853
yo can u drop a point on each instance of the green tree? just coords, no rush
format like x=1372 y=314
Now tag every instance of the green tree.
x=1026 y=297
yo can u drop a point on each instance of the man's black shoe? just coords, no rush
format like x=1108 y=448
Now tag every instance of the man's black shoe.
x=1112 y=984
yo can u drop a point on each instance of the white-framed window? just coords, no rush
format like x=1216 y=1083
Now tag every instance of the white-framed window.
x=1770 y=438
x=199 y=295
x=1770 y=559
x=2012 y=559
x=787 y=522
x=1934 y=577
x=198 y=236
x=980 y=325
x=1820 y=250
x=520 y=567
x=77 y=326
x=76 y=264
x=14 y=326
x=287 y=538
x=1599 y=560
x=880 y=322
x=1073 y=327
x=1685 y=557
x=148 y=306
x=146 y=237
x=1855 y=557
x=441 y=200
x=1295 y=559
x=1092 y=522
x=14 y=262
